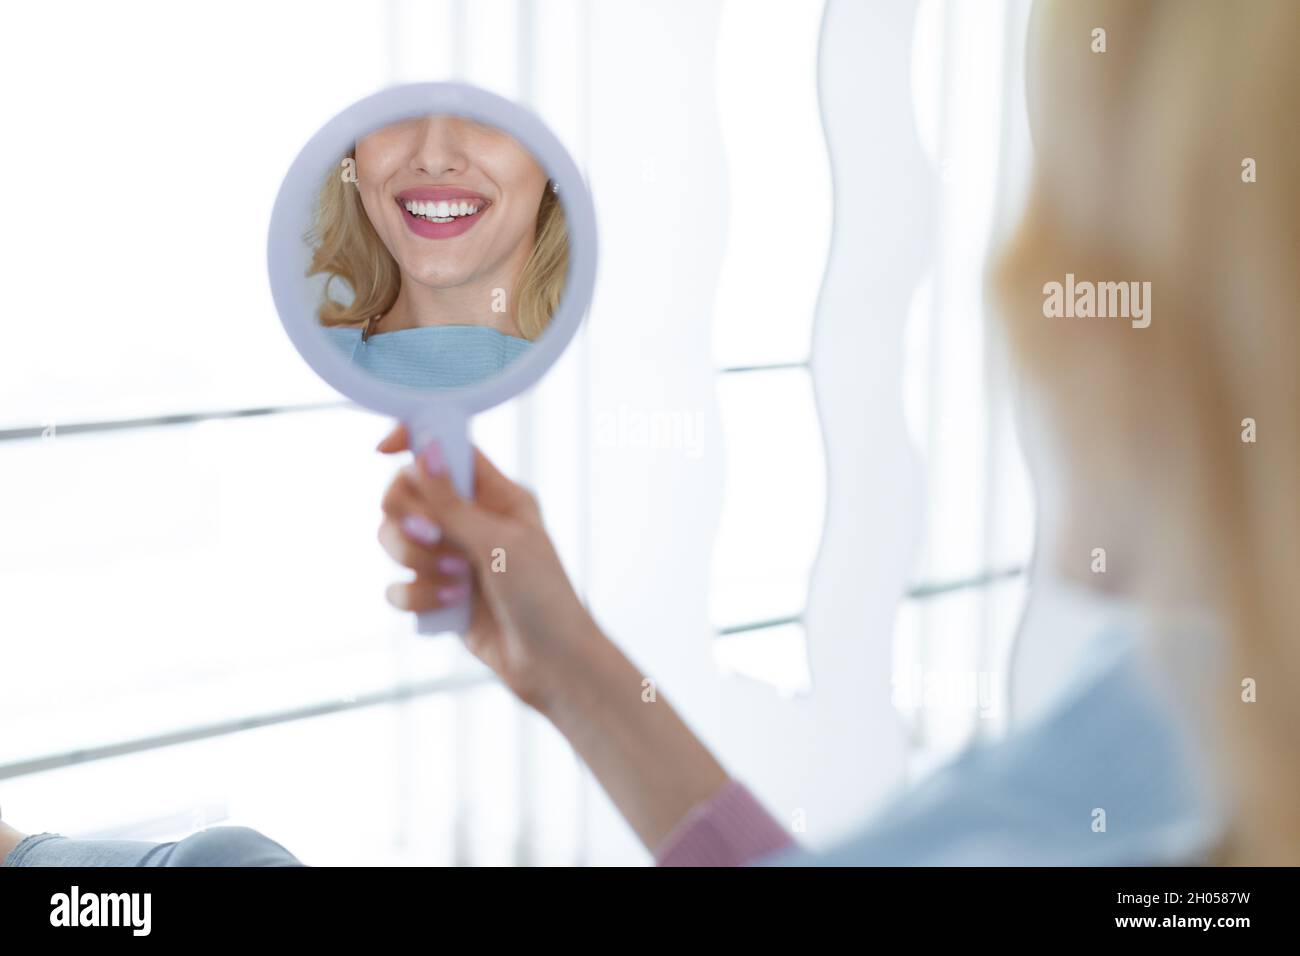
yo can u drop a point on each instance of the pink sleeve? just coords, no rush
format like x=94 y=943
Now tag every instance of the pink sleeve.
x=731 y=828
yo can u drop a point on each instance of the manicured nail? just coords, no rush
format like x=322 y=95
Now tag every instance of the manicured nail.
x=453 y=594
x=434 y=463
x=421 y=529
x=450 y=564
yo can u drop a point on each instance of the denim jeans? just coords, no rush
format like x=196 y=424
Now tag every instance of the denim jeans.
x=216 y=846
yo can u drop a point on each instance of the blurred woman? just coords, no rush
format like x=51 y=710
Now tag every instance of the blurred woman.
x=1166 y=164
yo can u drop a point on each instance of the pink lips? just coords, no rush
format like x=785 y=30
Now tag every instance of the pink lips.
x=441 y=230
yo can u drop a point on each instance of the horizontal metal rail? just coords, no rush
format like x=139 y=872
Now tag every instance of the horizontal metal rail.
x=391 y=695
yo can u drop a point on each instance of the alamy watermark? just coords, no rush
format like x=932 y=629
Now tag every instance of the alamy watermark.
x=75 y=908
x=1102 y=300
x=660 y=429
x=966 y=690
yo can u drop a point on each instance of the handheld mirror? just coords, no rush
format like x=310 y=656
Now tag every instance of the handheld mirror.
x=432 y=250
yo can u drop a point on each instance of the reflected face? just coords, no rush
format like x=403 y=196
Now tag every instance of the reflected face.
x=453 y=200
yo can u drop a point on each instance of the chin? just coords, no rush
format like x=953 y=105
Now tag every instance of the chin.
x=437 y=277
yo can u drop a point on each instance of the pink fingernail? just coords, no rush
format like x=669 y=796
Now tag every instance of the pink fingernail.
x=421 y=529
x=452 y=595
x=450 y=564
x=434 y=462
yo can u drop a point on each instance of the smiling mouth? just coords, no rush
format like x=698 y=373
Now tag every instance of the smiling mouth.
x=443 y=210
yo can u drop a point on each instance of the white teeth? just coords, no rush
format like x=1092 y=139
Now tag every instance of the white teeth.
x=442 y=211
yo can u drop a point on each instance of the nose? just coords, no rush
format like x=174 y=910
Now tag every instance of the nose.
x=440 y=149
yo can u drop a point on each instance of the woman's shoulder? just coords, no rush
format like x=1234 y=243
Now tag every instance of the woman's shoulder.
x=1015 y=802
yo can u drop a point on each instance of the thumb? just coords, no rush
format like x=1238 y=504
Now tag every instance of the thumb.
x=463 y=521
x=396 y=440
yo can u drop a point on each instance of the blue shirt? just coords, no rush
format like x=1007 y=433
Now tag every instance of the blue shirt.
x=431 y=356
x=1032 y=799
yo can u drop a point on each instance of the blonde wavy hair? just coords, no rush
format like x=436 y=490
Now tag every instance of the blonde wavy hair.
x=345 y=247
x=1141 y=159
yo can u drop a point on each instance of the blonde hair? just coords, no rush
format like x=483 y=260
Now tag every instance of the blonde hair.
x=346 y=247
x=1141 y=155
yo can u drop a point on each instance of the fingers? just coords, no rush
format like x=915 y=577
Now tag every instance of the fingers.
x=492 y=489
x=427 y=595
x=412 y=538
x=408 y=544
x=418 y=504
x=463 y=521
x=425 y=513
x=402 y=498
x=414 y=541
x=395 y=441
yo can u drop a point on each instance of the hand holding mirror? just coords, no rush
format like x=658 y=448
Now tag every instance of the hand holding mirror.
x=432 y=251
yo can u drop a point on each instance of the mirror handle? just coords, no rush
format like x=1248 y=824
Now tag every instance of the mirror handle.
x=451 y=430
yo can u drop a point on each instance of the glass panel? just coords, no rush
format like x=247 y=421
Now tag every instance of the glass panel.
x=779 y=189
x=774 y=499
x=979 y=511
x=165 y=577
x=775 y=655
x=138 y=243
x=491 y=54
x=424 y=44
x=950 y=673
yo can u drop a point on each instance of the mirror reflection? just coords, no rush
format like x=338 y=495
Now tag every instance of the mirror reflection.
x=440 y=249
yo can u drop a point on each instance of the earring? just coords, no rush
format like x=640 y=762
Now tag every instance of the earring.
x=555 y=187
